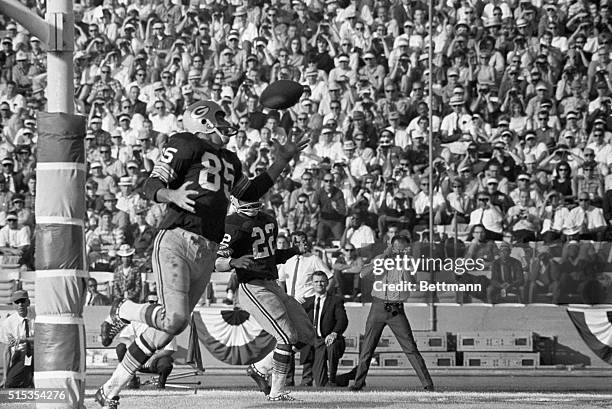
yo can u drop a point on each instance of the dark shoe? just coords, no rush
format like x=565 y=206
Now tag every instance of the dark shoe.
x=108 y=331
x=331 y=385
x=356 y=388
x=259 y=379
x=343 y=380
x=227 y=301
x=161 y=381
x=104 y=401
x=134 y=383
x=429 y=388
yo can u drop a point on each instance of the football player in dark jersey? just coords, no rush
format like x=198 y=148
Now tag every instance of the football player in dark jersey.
x=249 y=247
x=195 y=176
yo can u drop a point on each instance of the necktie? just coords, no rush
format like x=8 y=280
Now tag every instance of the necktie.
x=316 y=314
x=481 y=216
x=27 y=328
x=295 y=272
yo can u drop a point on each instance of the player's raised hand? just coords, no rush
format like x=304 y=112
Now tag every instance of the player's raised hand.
x=245 y=261
x=294 y=144
x=180 y=197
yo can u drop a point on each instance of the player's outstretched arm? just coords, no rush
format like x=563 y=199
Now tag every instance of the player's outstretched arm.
x=286 y=152
x=252 y=190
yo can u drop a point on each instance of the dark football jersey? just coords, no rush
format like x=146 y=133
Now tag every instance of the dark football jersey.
x=257 y=236
x=213 y=173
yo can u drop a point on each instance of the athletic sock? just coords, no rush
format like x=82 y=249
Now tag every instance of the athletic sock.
x=280 y=367
x=137 y=354
x=146 y=313
x=264 y=366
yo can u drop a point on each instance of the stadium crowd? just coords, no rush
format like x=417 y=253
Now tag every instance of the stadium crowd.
x=521 y=108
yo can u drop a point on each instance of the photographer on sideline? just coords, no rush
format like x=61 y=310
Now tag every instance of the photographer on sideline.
x=17 y=335
x=388 y=309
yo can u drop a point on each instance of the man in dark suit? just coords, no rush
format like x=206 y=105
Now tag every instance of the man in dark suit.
x=506 y=277
x=329 y=318
x=93 y=296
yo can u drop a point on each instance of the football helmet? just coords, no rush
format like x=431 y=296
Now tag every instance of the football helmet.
x=208 y=117
x=245 y=208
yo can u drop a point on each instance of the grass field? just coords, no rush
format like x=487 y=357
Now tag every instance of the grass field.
x=224 y=399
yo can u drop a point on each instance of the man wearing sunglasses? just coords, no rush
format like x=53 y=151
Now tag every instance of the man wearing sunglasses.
x=17 y=338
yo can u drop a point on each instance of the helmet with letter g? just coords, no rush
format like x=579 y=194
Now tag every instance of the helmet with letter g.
x=245 y=208
x=208 y=118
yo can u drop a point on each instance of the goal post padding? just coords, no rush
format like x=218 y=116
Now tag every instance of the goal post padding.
x=60 y=261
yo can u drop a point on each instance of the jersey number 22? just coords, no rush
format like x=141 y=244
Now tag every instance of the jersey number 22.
x=264 y=245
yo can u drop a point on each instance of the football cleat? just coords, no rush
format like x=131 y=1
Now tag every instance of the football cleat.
x=259 y=379
x=284 y=397
x=106 y=403
x=109 y=330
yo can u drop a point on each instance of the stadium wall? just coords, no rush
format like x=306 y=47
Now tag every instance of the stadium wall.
x=546 y=321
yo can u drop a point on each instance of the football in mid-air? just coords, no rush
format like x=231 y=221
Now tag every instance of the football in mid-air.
x=281 y=94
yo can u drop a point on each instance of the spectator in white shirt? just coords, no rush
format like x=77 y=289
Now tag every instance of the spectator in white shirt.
x=162 y=120
x=457 y=122
x=296 y=274
x=357 y=233
x=327 y=148
x=585 y=222
x=356 y=164
x=14 y=240
x=489 y=216
x=553 y=213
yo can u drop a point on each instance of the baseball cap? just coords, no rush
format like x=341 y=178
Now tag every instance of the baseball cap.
x=456 y=100
x=21 y=56
x=349 y=145
x=8 y=161
x=95 y=165
x=125 y=181
x=19 y=294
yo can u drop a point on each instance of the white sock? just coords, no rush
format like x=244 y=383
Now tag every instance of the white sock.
x=264 y=365
x=277 y=383
x=132 y=311
x=117 y=382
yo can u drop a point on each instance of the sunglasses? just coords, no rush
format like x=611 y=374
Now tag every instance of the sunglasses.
x=105 y=72
x=349 y=249
x=457 y=186
x=583 y=200
x=327 y=180
x=483 y=199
